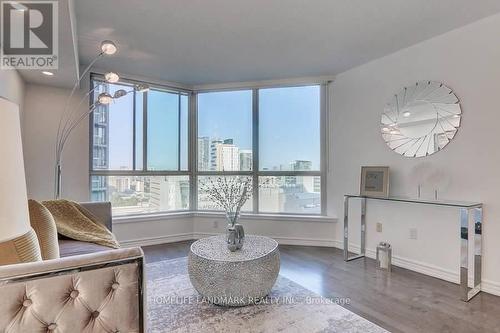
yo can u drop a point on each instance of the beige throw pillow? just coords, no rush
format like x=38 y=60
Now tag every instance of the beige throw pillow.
x=44 y=225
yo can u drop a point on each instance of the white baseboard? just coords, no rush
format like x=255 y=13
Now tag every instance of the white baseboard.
x=146 y=241
x=284 y=240
x=198 y=235
x=410 y=264
x=490 y=287
x=305 y=241
x=487 y=286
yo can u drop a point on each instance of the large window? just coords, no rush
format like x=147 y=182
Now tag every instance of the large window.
x=290 y=150
x=139 y=150
x=153 y=151
x=225 y=131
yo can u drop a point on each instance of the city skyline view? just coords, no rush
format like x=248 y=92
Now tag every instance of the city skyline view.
x=288 y=141
x=221 y=115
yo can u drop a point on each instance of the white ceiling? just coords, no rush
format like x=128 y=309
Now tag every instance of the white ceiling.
x=67 y=72
x=200 y=41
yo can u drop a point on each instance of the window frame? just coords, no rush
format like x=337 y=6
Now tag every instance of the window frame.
x=192 y=146
x=255 y=173
x=144 y=171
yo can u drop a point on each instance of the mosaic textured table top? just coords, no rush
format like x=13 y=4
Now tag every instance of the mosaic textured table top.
x=215 y=248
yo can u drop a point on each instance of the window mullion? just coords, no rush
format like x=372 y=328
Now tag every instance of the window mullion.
x=179 y=132
x=193 y=150
x=134 y=129
x=324 y=143
x=145 y=131
x=255 y=149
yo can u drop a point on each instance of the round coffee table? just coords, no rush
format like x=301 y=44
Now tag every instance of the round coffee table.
x=234 y=278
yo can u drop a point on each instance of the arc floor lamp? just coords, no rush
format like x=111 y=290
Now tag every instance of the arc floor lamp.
x=71 y=118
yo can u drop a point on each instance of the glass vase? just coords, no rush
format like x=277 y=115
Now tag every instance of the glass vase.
x=235 y=232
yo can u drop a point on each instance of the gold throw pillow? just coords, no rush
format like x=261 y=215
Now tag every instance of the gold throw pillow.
x=44 y=225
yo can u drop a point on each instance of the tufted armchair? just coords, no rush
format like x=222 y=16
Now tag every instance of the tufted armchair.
x=99 y=292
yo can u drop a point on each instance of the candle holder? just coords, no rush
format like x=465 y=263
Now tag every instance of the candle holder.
x=384 y=256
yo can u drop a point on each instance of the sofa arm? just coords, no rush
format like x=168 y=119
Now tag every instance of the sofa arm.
x=101 y=210
x=98 y=292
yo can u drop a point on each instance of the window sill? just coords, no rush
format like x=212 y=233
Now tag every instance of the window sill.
x=273 y=217
x=244 y=216
x=152 y=217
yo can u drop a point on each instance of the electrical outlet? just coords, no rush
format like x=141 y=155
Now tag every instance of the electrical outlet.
x=215 y=224
x=413 y=233
x=379 y=227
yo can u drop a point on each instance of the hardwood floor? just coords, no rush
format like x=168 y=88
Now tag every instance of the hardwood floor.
x=402 y=301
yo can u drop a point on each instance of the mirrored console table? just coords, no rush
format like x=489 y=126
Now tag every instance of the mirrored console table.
x=467 y=210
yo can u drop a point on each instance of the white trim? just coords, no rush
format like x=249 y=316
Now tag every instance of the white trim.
x=490 y=287
x=74 y=37
x=410 y=264
x=297 y=81
x=272 y=217
x=244 y=216
x=151 y=217
x=282 y=240
x=151 y=81
x=146 y=241
x=294 y=81
x=487 y=286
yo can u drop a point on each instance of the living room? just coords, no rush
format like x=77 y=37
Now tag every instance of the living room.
x=251 y=166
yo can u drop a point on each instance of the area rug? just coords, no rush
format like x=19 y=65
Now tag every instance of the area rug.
x=175 y=306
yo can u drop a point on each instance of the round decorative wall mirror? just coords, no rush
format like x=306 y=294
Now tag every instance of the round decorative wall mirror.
x=421 y=120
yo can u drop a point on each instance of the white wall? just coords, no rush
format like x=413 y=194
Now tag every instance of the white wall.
x=153 y=231
x=42 y=111
x=468 y=61
x=12 y=86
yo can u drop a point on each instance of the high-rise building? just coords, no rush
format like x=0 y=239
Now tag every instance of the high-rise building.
x=224 y=155
x=246 y=160
x=100 y=158
x=227 y=157
x=168 y=193
x=299 y=165
x=317 y=184
x=303 y=183
x=121 y=183
x=204 y=153
x=213 y=153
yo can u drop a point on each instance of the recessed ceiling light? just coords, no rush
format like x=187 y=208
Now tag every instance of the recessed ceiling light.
x=47 y=73
x=456 y=116
x=385 y=129
x=406 y=114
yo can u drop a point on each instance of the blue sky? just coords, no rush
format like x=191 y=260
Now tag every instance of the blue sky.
x=288 y=119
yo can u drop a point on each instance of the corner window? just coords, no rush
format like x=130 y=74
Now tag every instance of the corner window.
x=139 y=149
x=152 y=150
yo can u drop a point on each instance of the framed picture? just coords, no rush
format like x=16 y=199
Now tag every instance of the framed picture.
x=375 y=181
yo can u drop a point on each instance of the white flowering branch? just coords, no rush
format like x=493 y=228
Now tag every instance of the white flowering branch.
x=229 y=194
